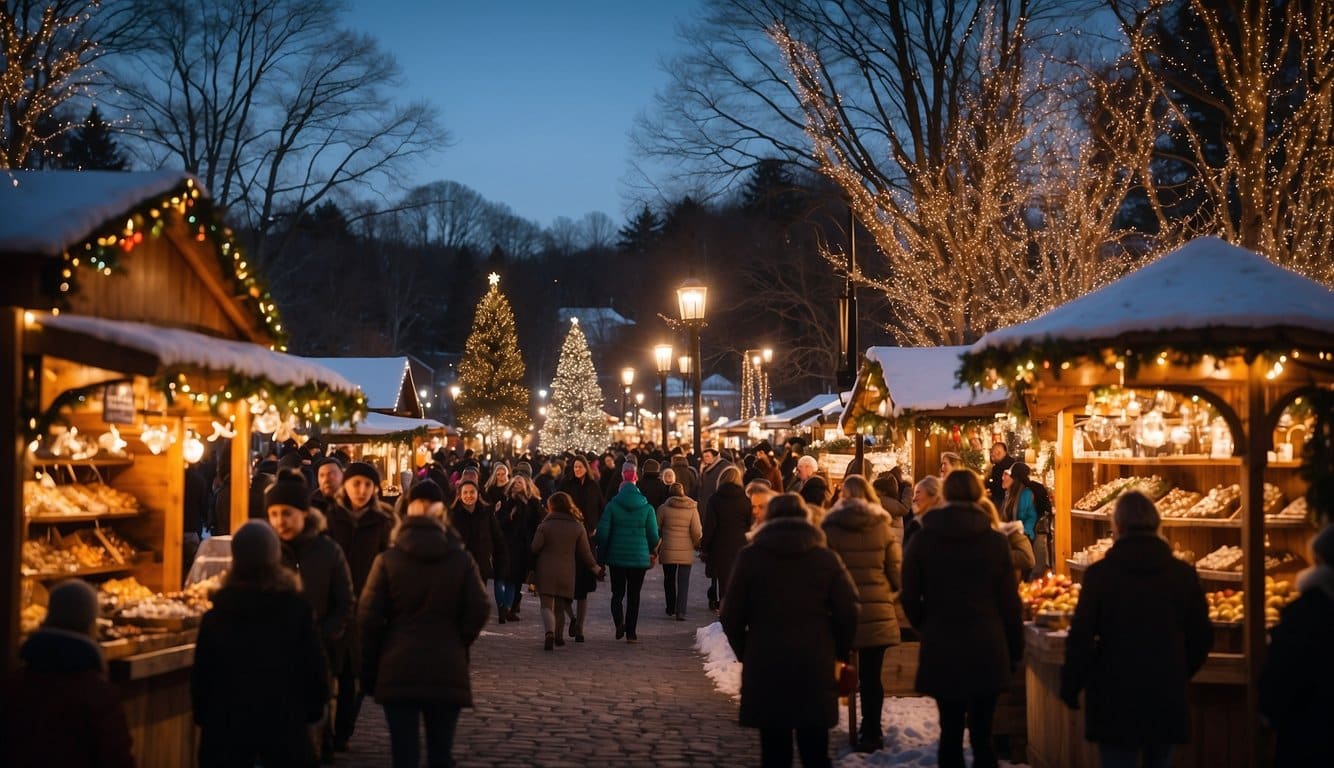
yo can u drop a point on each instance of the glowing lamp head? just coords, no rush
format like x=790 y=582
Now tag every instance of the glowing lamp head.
x=662 y=355
x=691 y=299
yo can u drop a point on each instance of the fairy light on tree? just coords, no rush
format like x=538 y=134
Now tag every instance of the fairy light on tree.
x=493 y=397
x=574 y=417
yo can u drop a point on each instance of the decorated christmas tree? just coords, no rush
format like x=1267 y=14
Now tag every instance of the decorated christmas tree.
x=574 y=418
x=492 y=397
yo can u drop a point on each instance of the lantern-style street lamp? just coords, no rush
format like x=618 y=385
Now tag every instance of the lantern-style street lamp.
x=662 y=357
x=691 y=300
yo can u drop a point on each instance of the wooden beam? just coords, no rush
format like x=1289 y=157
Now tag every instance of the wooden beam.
x=209 y=275
x=240 y=467
x=11 y=481
x=1254 y=462
x=1064 y=498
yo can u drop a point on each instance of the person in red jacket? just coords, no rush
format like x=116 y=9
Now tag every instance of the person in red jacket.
x=59 y=709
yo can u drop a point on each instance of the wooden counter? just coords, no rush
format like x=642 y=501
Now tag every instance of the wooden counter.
x=153 y=676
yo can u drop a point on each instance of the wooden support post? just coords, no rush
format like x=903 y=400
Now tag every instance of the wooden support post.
x=1254 y=461
x=240 y=463
x=11 y=480
x=1063 y=499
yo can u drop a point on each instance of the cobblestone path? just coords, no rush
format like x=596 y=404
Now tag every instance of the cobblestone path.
x=600 y=703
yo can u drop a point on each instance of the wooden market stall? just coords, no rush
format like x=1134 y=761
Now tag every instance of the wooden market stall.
x=393 y=444
x=134 y=330
x=1173 y=381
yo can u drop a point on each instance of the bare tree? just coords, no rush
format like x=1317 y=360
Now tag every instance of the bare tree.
x=564 y=237
x=1262 y=162
x=271 y=103
x=518 y=237
x=597 y=231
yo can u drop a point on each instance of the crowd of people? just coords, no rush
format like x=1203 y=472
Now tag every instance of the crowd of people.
x=334 y=595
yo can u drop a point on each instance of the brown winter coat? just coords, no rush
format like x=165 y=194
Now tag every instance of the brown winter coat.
x=679 y=530
x=1021 y=549
x=561 y=547
x=960 y=593
x=424 y=605
x=789 y=614
x=863 y=536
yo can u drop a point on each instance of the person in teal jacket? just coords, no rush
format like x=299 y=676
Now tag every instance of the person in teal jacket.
x=1019 y=503
x=627 y=539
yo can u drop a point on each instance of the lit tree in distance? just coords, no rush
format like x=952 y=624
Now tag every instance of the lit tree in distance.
x=493 y=397
x=574 y=418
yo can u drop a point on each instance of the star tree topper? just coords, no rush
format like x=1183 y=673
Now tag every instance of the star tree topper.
x=493 y=279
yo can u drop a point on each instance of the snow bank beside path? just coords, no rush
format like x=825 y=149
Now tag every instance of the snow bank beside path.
x=912 y=727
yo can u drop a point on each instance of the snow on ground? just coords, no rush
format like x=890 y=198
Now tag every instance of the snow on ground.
x=912 y=727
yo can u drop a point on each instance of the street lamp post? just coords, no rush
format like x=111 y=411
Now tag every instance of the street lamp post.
x=662 y=356
x=627 y=381
x=691 y=300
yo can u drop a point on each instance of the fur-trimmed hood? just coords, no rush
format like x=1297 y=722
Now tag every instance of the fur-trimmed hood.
x=856 y=515
x=1011 y=528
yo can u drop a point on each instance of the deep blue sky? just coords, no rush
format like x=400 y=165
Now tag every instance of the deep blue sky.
x=538 y=95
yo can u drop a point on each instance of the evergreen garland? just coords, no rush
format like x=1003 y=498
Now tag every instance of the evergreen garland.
x=574 y=418
x=493 y=397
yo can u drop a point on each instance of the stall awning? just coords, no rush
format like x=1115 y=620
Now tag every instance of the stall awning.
x=150 y=350
x=820 y=405
x=926 y=379
x=381 y=425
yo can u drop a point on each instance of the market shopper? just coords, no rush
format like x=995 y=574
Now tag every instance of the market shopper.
x=476 y=523
x=59 y=708
x=1019 y=504
x=790 y=614
x=518 y=515
x=1001 y=460
x=423 y=606
x=260 y=680
x=586 y=493
x=726 y=520
x=861 y=532
x=627 y=537
x=1140 y=631
x=493 y=492
x=1021 y=549
x=361 y=525
x=1295 y=697
x=328 y=482
x=926 y=496
x=680 y=530
x=561 y=548
x=318 y=563
x=962 y=598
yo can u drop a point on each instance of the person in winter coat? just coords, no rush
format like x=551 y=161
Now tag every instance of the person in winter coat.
x=651 y=484
x=1140 y=632
x=681 y=533
x=518 y=516
x=609 y=475
x=560 y=546
x=1294 y=685
x=926 y=496
x=260 y=680
x=476 y=523
x=59 y=708
x=493 y=493
x=1001 y=460
x=1019 y=504
x=361 y=525
x=423 y=607
x=711 y=466
x=1021 y=549
x=960 y=593
x=584 y=490
x=861 y=533
x=727 y=517
x=318 y=561
x=790 y=614
x=626 y=539
x=686 y=475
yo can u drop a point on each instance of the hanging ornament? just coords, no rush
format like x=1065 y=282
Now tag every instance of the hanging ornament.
x=193 y=448
x=268 y=421
x=286 y=430
x=111 y=441
x=221 y=430
x=157 y=439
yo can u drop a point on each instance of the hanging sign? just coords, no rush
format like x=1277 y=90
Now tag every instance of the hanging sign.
x=118 y=403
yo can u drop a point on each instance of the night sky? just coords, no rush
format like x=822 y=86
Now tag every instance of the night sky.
x=538 y=96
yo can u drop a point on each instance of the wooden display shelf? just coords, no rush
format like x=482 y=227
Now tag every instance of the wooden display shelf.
x=83 y=518
x=107 y=461
x=1202 y=522
x=1294 y=464
x=1090 y=515
x=101 y=570
x=1209 y=575
x=1161 y=461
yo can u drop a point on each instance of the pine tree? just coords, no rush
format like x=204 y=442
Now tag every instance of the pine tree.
x=641 y=233
x=574 y=418
x=491 y=372
x=90 y=147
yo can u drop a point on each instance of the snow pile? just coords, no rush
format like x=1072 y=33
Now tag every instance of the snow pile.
x=912 y=727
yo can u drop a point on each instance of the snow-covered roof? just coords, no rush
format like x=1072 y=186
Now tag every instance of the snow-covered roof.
x=596 y=317
x=379 y=424
x=820 y=405
x=926 y=379
x=1204 y=284
x=47 y=211
x=380 y=378
x=717 y=384
x=176 y=348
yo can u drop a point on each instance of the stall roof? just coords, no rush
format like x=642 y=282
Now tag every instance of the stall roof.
x=1205 y=285
x=820 y=405
x=46 y=212
x=159 y=349
x=382 y=379
x=381 y=425
x=926 y=379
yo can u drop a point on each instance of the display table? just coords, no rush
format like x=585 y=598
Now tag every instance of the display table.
x=1216 y=697
x=152 y=674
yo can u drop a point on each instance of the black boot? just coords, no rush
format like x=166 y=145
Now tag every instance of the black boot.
x=500 y=614
x=550 y=642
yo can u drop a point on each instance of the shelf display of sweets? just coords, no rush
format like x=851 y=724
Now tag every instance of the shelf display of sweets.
x=43 y=500
x=1101 y=495
x=1295 y=511
x=1227 y=606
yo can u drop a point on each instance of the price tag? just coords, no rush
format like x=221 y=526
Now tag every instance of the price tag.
x=118 y=403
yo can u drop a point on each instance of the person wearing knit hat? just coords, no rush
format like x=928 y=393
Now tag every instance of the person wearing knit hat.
x=362 y=469
x=629 y=472
x=523 y=468
x=426 y=498
x=59 y=707
x=255 y=549
x=651 y=485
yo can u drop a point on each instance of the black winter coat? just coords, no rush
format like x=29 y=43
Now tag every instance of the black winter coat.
x=961 y=595
x=1295 y=695
x=481 y=536
x=325 y=583
x=587 y=497
x=259 y=679
x=424 y=604
x=1140 y=631
x=790 y=612
x=363 y=538
x=726 y=521
x=652 y=487
x=518 y=519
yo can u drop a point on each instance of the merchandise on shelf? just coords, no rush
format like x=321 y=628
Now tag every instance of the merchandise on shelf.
x=127 y=590
x=42 y=557
x=1050 y=595
x=1154 y=487
x=1225 y=558
x=1294 y=511
x=1101 y=495
x=1177 y=502
x=1228 y=606
x=1093 y=552
x=31 y=617
x=1219 y=503
x=41 y=500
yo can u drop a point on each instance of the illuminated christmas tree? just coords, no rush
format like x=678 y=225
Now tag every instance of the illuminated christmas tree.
x=493 y=397
x=574 y=418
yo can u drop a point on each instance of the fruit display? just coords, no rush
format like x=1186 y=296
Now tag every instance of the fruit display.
x=126 y=590
x=31 y=617
x=1219 y=503
x=1052 y=594
x=1228 y=606
x=76 y=499
x=1177 y=502
x=1101 y=495
x=1296 y=511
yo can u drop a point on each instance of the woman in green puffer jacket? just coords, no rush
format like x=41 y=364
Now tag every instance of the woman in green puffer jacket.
x=627 y=537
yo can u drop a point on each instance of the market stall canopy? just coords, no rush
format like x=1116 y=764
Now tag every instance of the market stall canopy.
x=47 y=212
x=150 y=350
x=1206 y=295
x=820 y=405
x=926 y=379
x=387 y=382
x=379 y=425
